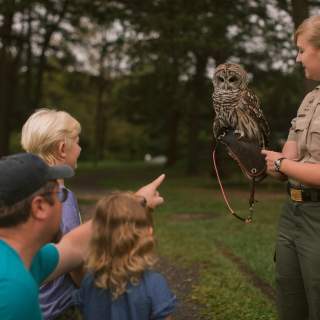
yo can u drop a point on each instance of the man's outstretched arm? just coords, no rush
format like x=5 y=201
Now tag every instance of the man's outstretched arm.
x=73 y=246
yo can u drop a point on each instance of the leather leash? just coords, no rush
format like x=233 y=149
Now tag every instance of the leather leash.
x=248 y=219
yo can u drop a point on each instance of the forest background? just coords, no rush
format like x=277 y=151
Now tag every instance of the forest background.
x=137 y=74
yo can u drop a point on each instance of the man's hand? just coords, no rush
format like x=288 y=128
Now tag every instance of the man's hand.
x=151 y=194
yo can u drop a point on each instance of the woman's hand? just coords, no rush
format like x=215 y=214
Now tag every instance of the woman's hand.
x=289 y=151
x=271 y=157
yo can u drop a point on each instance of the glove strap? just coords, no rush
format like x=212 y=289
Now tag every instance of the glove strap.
x=248 y=219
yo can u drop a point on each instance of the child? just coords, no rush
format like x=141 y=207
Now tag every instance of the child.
x=120 y=284
x=54 y=136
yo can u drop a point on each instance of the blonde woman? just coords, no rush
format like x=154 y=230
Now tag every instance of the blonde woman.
x=54 y=136
x=298 y=242
x=120 y=283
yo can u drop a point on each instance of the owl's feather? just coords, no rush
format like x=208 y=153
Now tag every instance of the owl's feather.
x=236 y=106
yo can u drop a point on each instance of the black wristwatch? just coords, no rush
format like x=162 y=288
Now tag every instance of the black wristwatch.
x=277 y=164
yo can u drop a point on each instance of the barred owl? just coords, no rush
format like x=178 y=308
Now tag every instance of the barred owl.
x=236 y=106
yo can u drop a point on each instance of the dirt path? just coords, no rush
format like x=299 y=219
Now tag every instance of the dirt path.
x=181 y=281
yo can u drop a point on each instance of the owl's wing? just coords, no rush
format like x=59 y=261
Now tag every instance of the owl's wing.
x=218 y=118
x=250 y=106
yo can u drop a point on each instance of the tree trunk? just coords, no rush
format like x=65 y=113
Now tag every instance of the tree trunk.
x=195 y=109
x=5 y=65
x=174 y=113
x=100 y=120
x=51 y=28
x=28 y=75
x=173 y=137
x=300 y=12
x=40 y=72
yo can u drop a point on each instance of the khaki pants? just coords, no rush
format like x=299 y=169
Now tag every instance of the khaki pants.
x=298 y=261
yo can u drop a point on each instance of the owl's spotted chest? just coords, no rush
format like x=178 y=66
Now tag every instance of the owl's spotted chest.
x=226 y=101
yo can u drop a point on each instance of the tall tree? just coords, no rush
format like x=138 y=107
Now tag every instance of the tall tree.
x=54 y=13
x=10 y=55
x=5 y=63
x=300 y=11
x=27 y=29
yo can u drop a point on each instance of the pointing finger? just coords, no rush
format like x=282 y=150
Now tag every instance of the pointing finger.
x=156 y=183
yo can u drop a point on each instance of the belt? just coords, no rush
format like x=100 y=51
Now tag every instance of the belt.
x=300 y=194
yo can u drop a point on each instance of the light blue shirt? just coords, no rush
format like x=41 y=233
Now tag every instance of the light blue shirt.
x=56 y=296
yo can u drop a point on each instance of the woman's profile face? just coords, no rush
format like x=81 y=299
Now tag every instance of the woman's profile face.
x=309 y=57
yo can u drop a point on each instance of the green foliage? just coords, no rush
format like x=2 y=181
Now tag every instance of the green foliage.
x=137 y=74
x=74 y=93
x=280 y=96
x=224 y=290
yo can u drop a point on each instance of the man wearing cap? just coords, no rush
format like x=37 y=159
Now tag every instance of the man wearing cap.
x=30 y=212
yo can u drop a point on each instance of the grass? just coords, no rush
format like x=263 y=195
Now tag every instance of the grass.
x=191 y=222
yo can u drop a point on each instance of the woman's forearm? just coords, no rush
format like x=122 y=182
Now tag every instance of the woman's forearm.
x=305 y=173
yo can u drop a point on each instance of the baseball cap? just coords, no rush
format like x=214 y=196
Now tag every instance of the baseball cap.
x=23 y=174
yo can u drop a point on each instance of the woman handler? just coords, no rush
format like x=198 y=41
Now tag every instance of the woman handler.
x=298 y=239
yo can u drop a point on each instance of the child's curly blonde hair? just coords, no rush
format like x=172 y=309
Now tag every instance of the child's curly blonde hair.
x=122 y=243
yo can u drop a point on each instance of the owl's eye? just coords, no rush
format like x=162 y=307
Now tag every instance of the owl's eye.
x=221 y=79
x=233 y=79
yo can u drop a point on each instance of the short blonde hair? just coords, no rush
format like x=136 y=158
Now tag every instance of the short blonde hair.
x=312 y=27
x=122 y=246
x=43 y=131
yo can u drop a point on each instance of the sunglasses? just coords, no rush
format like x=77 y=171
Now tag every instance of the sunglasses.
x=62 y=194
